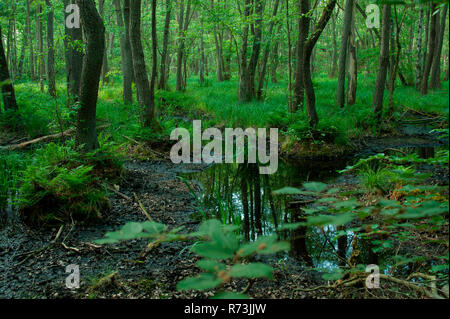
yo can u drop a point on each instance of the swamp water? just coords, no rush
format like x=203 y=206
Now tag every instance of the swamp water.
x=237 y=194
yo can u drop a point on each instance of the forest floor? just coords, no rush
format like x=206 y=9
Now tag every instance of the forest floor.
x=33 y=263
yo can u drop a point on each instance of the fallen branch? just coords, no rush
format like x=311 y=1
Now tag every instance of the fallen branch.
x=46 y=138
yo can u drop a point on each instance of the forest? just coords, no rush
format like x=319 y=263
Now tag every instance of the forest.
x=320 y=169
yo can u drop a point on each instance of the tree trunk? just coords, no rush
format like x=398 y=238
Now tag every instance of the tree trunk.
x=419 y=49
x=353 y=66
x=396 y=61
x=51 y=51
x=309 y=46
x=333 y=70
x=275 y=61
x=183 y=24
x=342 y=68
x=435 y=81
x=219 y=50
x=248 y=71
x=303 y=31
x=86 y=134
x=40 y=36
x=383 y=64
x=431 y=48
x=9 y=98
x=262 y=74
x=145 y=92
x=125 y=52
x=74 y=63
x=29 y=35
x=162 y=73
x=105 y=68
x=202 y=57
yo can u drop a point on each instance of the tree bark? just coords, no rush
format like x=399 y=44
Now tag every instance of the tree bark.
x=183 y=24
x=40 y=36
x=163 y=73
x=145 y=92
x=333 y=70
x=353 y=65
x=303 y=31
x=51 y=51
x=263 y=68
x=342 y=68
x=94 y=30
x=309 y=46
x=435 y=81
x=30 y=42
x=383 y=64
x=248 y=71
x=419 y=49
x=74 y=62
x=7 y=88
x=125 y=52
x=431 y=48
x=105 y=67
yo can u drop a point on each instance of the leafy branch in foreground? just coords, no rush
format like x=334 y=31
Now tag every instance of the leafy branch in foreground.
x=224 y=257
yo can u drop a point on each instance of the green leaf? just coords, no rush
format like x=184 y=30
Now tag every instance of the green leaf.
x=211 y=265
x=287 y=191
x=131 y=229
x=315 y=186
x=153 y=227
x=337 y=220
x=252 y=270
x=202 y=282
x=212 y=250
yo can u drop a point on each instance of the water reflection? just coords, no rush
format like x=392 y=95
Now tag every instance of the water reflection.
x=238 y=194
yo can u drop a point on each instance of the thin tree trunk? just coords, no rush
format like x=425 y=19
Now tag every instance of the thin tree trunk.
x=86 y=134
x=51 y=51
x=29 y=36
x=105 y=68
x=145 y=92
x=342 y=68
x=262 y=74
x=125 y=52
x=419 y=48
x=74 y=62
x=383 y=64
x=303 y=31
x=435 y=81
x=431 y=48
x=333 y=70
x=275 y=61
x=309 y=46
x=396 y=60
x=7 y=88
x=40 y=46
x=353 y=65
x=162 y=73
x=219 y=50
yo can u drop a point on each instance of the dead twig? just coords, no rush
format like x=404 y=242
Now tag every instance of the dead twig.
x=141 y=206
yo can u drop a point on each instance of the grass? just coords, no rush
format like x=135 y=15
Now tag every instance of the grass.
x=216 y=104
